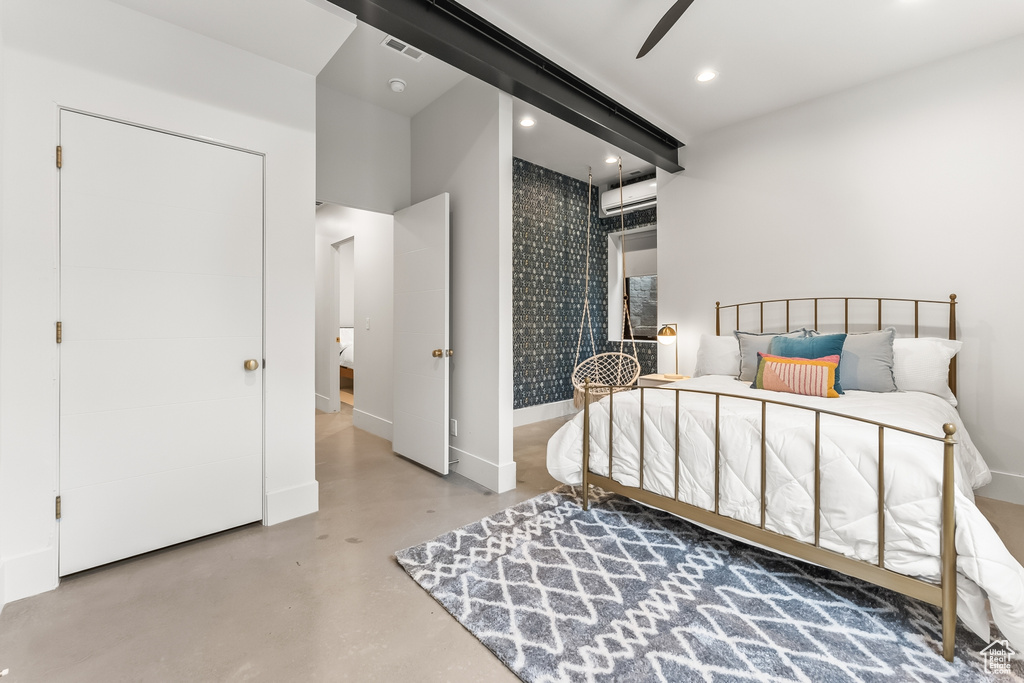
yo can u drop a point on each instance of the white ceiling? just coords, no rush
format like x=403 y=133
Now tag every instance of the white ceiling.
x=363 y=67
x=306 y=35
x=770 y=54
x=562 y=147
x=302 y=34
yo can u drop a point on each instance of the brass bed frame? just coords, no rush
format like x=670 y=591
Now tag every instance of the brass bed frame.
x=942 y=595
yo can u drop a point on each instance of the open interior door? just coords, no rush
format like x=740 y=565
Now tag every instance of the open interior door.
x=422 y=351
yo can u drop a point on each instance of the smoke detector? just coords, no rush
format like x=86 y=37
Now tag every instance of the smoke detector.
x=396 y=85
x=404 y=48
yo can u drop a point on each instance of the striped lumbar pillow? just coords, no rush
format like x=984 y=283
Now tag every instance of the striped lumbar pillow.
x=806 y=376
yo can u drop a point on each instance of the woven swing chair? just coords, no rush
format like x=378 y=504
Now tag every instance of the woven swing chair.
x=613 y=371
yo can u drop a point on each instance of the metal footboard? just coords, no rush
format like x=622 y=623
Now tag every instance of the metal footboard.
x=942 y=595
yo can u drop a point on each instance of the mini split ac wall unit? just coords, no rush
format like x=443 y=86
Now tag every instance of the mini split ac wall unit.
x=634 y=197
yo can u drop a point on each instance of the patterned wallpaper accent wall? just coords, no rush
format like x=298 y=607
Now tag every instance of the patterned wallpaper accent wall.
x=549 y=246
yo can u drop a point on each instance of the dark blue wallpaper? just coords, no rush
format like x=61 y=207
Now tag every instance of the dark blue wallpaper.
x=549 y=246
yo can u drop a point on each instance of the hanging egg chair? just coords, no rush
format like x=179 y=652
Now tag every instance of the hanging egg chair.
x=615 y=370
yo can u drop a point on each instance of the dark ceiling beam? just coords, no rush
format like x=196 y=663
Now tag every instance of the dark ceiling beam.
x=450 y=32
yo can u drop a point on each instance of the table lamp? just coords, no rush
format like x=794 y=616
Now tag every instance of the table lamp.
x=667 y=335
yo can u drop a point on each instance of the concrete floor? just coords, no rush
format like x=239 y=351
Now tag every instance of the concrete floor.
x=319 y=598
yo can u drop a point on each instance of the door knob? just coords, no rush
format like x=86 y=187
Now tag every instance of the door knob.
x=438 y=353
x=450 y=352
x=251 y=364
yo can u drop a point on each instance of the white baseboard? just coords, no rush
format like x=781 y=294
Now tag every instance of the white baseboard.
x=498 y=478
x=292 y=502
x=377 y=426
x=323 y=403
x=545 y=411
x=1004 y=486
x=28 y=575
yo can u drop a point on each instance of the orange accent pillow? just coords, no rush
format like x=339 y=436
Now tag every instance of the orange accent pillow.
x=804 y=376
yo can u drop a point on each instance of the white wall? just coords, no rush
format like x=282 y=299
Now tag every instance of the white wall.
x=346 y=267
x=462 y=144
x=362 y=153
x=3 y=582
x=100 y=57
x=372 y=237
x=909 y=187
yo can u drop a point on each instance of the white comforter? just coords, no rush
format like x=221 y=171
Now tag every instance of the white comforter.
x=849 y=476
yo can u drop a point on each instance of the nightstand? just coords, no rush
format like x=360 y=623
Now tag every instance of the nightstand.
x=655 y=380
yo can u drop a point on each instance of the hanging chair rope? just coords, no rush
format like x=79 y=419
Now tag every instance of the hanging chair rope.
x=585 y=318
x=625 y=294
x=612 y=371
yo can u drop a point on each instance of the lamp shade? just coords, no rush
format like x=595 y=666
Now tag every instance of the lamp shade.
x=666 y=335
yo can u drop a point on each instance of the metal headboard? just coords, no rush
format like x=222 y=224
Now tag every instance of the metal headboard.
x=951 y=303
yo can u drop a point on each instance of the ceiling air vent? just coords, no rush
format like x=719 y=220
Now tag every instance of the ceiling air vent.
x=398 y=46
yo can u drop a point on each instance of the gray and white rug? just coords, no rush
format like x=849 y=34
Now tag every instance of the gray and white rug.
x=627 y=593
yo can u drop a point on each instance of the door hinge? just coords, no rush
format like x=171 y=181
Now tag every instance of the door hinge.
x=60 y=156
x=59 y=332
x=58 y=507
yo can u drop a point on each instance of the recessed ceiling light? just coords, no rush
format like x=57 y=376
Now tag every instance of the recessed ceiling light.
x=527 y=122
x=705 y=76
x=611 y=160
x=396 y=85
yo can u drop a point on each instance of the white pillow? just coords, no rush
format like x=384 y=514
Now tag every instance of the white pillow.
x=717 y=356
x=923 y=365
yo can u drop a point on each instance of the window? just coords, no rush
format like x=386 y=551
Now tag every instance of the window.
x=642 y=303
x=640 y=248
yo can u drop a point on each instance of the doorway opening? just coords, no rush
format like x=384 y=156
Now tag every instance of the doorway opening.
x=354 y=315
x=344 y=268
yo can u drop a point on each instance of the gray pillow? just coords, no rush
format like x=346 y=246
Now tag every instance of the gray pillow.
x=751 y=343
x=867 y=361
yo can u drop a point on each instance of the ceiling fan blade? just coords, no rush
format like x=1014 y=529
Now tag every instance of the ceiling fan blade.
x=666 y=23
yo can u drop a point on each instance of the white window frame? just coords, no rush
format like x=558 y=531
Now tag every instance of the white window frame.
x=615 y=281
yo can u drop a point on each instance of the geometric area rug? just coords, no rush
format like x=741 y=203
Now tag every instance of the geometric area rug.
x=624 y=592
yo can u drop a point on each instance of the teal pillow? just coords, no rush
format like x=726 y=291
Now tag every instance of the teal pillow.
x=810 y=348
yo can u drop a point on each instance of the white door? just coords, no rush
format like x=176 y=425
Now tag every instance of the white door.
x=422 y=352
x=161 y=298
